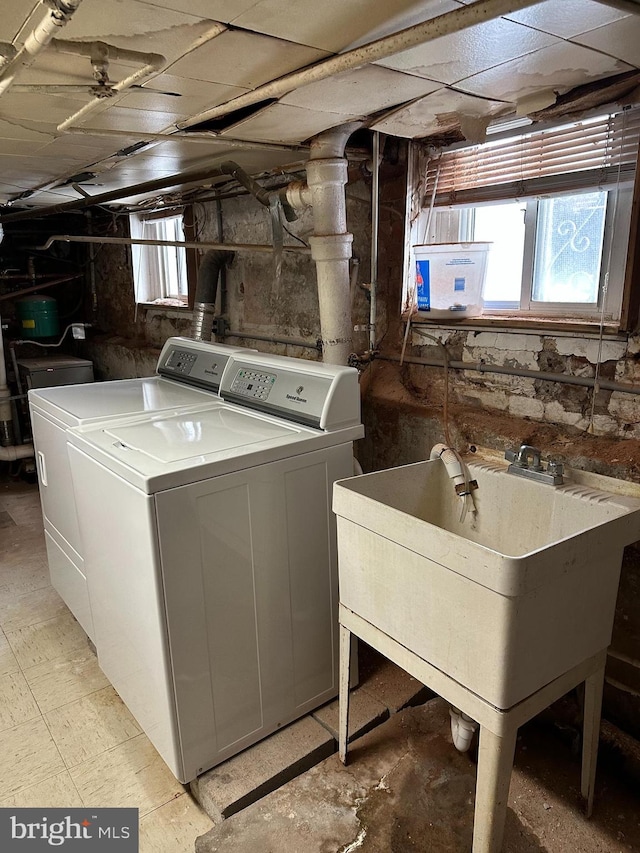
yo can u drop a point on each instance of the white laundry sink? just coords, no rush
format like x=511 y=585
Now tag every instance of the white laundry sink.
x=504 y=601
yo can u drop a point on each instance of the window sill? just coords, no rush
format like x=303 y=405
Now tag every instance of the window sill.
x=526 y=325
x=175 y=311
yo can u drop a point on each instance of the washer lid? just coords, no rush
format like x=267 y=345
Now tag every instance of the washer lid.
x=175 y=448
x=180 y=437
x=77 y=404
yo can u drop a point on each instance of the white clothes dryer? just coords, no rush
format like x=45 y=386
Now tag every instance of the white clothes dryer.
x=211 y=553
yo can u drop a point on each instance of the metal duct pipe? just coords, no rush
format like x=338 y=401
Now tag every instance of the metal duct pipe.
x=129 y=241
x=59 y=14
x=195 y=176
x=204 y=306
x=451 y=22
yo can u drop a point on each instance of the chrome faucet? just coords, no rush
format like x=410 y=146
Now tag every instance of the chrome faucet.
x=526 y=462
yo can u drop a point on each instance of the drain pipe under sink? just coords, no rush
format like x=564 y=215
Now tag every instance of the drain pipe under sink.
x=463 y=729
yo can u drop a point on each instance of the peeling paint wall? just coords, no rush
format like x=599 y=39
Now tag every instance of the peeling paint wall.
x=616 y=414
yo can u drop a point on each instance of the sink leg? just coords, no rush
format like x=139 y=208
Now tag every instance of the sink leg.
x=495 y=762
x=591 y=734
x=345 y=669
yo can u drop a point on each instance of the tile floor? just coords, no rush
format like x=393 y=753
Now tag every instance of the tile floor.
x=66 y=739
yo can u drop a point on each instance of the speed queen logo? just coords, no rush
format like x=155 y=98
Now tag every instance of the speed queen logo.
x=102 y=830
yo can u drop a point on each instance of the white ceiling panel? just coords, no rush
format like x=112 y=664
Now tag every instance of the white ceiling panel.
x=149 y=98
x=282 y=123
x=362 y=91
x=568 y=18
x=12 y=128
x=109 y=18
x=14 y=15
x=201 y=91
x=124 y=118
x=439 y=112
x=217 y=10
x=460 y=55
x=69 y=69
x=558 y=68
x=620 y=39
x=171 y=42
x=22 y=147
x=244 y=59
x=85 y=149
x=334 y=25
x=50 y=110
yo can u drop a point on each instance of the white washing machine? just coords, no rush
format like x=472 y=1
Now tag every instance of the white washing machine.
x=54 y=410
x=212 y=559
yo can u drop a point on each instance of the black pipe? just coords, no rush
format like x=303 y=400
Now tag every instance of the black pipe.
x=228 y=168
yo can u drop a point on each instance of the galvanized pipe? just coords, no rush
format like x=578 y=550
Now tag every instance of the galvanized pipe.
x=150 y=63
x=291 y=342
x=560 y=378
x=206 y=136
x=129 y=241
x=42 y=34
x=375 y=228
x=195 y=176
x=451 y=22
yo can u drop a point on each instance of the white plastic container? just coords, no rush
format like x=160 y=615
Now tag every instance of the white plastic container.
x=449 y=278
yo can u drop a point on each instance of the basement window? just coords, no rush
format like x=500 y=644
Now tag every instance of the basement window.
x=160 y=273
x=555 y=204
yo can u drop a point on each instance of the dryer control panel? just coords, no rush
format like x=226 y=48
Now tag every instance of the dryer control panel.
x=195 y=363
x=318 y=395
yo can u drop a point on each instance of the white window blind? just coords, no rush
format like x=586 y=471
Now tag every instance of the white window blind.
x=589 y=153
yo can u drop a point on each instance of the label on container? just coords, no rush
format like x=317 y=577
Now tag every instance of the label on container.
x=459 y=283
x=423 y=285
x=28 y=324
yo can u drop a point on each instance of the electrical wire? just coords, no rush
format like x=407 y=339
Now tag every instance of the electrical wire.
x=39 y=344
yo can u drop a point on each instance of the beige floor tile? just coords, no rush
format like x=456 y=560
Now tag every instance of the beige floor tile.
x=20 y=543
x=47 y=641
x=64 y=680
x=28 y=755
x=131 y=775
x=91 y=725
x=29 y=608
x=29 y=574
x=174 y=827
x=17 y=704
x=57 y=792
x=22 y=506
x=8 y=662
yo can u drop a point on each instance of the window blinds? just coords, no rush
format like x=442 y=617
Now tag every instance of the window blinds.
x=588 y=153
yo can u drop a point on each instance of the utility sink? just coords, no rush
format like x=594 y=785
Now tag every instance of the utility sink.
x=504 y=601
